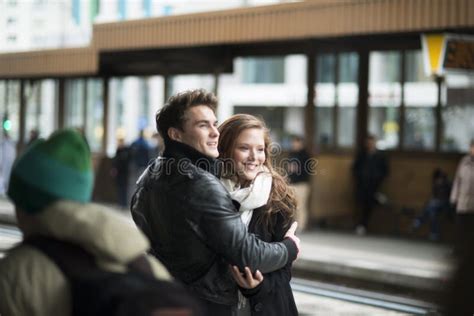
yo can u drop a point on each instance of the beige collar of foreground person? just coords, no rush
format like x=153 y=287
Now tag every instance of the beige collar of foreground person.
x=31 y=284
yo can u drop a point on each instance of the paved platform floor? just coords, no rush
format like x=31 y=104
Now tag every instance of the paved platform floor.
x=403 y=262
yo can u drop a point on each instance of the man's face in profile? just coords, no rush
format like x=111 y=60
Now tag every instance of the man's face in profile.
x=200 y=130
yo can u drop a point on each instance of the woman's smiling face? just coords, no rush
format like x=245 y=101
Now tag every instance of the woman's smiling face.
x=249 y=154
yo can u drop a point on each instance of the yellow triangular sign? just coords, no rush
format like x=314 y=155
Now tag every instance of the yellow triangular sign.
x=433 y=51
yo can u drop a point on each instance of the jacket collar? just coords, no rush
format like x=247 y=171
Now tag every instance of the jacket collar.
x=113 y=239
x=178 y=150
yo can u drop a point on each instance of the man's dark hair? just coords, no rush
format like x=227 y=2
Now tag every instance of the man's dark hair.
x=172 y=113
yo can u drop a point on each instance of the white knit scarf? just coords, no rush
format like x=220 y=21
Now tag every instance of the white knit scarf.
x=251 y=197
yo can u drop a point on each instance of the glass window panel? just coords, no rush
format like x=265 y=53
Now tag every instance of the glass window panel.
x=457 y=112
x=384 y=97
x=384 y=79
x=324 y=123
x=121 y=124
x=325 y=94
x=347 y=94
x=263 y=70
x=95 y=112
x=293 y=125
x=74 y=107
x=419 y=132
x=41 y=105
x=458 y=125
x=420 y=98
x=3 y=92
x=325 y=64
x=10 y=110
x=47 y=115
x=419 y=89
x=347 y=98
x=384 y=66
x=3 y=103
x=346 y=126
x=156 y=90
x=421 y=94
x=135 y=100
x=383 y=124
x=348 y=67
x=33 y=111
x=273 y=117
x=414 y=69
x=325 y=98
x=143 y=118
x=129 y=110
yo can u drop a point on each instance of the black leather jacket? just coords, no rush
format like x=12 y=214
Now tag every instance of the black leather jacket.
x=194 y=228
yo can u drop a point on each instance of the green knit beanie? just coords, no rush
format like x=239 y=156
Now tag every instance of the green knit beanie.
x=56 y=169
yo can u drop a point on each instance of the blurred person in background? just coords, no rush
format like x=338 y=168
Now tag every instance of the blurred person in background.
x=140 y=154
x=34 y=135
x=299 y=178
x=120 y=171
x=7 y=157
x=266 y=205
x=51 y=187
x=369 y=169
x=438 y=202
x=462 y=195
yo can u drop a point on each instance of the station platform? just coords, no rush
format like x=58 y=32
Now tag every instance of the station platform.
x=406 y=267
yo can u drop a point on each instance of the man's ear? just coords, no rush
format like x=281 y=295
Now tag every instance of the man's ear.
x=174 y=134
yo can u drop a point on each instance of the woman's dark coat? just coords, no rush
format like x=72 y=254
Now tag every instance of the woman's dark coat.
x=274 y=295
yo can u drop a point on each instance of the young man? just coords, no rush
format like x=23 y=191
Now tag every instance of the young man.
x=188 y=215
x=51 y=186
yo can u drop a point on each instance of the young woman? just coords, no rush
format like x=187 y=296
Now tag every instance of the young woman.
x=267 y=206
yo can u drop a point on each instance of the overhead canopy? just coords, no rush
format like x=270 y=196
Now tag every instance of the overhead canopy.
x=196 y=60
x=68 y=62
x=207 y=42
x=299 y=20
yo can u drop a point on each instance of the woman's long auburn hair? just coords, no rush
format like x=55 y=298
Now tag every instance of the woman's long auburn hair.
x=282 y=198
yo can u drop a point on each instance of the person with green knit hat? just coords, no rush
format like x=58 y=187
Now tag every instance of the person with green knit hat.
x=51 y=186
x=50 y=170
